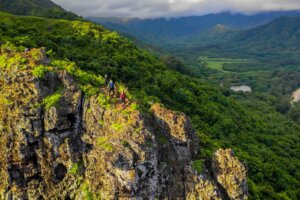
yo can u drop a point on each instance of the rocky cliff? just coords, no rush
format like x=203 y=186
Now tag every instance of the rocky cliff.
x=56 y=142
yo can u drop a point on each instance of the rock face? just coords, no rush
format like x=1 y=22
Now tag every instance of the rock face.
x=76 y=147
x=230 y=174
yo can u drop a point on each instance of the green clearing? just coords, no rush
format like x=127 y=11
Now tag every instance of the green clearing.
x=217 y=63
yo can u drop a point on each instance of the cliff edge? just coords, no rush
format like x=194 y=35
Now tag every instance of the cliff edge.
x=57 y=142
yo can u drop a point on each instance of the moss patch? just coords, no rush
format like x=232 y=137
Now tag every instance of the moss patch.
x=162 y=140
x=104 y=144
x=40 y=71
x=52 y=100
x=116 y=127
x=198 y=166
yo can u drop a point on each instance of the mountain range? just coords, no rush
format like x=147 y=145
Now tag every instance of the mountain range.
x=164 y=32
x=274 y=42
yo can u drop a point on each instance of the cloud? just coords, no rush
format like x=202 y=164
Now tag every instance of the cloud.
x=172 y=8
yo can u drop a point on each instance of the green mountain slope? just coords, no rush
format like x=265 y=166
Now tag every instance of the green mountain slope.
x=281 y=32
x=276 y=42
x=44 y=8
x=280 y=37
x=263 y=138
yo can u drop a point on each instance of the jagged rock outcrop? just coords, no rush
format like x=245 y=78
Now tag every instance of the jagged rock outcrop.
x=230 y=174
x=77 y=147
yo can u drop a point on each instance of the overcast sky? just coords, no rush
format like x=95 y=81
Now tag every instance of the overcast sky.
x=171 y=8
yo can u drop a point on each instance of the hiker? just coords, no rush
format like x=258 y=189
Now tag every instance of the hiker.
x=123 y=97
x=106 y=79
x=111 y=87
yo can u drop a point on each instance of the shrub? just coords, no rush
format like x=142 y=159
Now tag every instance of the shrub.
x=11 y=47
x=40 y=71
x=104 y=144
x=89 y=90
x=74 y=169
x=52 y=100
x=162 y=140
x=37 y=54
x=8 y=62
x=116 y=127
x=88 y=78
x=101 y=122
x=198 y=166
x=84 y=78
x=104 y=101
x=87 y=195
x=134 y=106
x=5 y=101
x=125 y=143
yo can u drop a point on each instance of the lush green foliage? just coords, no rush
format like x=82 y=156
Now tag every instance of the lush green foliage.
x=74 y=169
x=263 y=138
x=40 y=71
x=10 y=62
x=103 y=143
x=104 y=101
x=52 y=100
x=87 y=194
x=44 y=8
x=162 y=140
x=117 y=127
x=198 y=165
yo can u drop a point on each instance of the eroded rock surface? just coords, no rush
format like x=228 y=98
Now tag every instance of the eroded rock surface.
x=230 y=174
x=79 y=148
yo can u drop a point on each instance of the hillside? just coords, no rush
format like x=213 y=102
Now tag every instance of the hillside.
x=275 y=42
x=57 y=142
x=261 y=137
x=280 y=38
x=44 y=8
x=281 y=32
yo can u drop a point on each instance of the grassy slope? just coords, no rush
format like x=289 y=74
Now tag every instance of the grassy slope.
x=263 y=138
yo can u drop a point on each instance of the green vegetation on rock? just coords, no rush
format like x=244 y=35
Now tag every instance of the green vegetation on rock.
x=198 y=165
x=162 y=140
x=40 y=71
x=116 y=127
x=52 y=100
x=87 y=194
x=104 y=144
x=104 y=101
x=74 y=169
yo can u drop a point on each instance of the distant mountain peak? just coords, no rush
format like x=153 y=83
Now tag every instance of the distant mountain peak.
x=220 y=28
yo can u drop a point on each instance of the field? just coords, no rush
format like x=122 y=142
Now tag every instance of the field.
x=217 y=63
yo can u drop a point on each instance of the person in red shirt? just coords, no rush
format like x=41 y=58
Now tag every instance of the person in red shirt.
x=123 y=97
